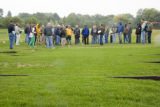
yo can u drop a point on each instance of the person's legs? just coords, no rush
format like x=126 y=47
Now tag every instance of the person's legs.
x=136 y=38
x=111 y=38
x=18 y=38
x=14 y=37
x=51 y=42
x=139 y=38
x=146 y=37
x=124 y=37
x=11 y=39
x=143 y=37
x=129 y=38
x=106 y=38
x=93 y=40
x=101 y=39
x=47 y=41
x=120 y=37
x=149 y=37
x=98 y=39
x=57 y=40
x=26 y=37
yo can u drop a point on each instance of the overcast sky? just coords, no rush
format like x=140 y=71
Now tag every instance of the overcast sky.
x=65 y=7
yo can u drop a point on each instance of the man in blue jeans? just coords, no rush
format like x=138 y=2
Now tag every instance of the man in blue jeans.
x=120 y=31
x=58 y=33
x=143 y=31
x=101 y=33
x=150 y=31
x=48 y=34
x=11 y=33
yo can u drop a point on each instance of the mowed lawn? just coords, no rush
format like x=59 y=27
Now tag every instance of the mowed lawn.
x=78 y=76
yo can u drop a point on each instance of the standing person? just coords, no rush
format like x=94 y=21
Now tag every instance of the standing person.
x=143 y=25
x=94 y=33
x=150 y=27
x=18 y=33
x=29 y=32
x=69 y=34
x=38 y=32
x=77 y=34
x=11 y=33
x=129 y=33
x=113 y=33
x=106 y=33
x=125 y=33
x=63 y=35
x=32 y=36
x=120 y=31
x=42 y=37
x=53 y=34
x=146 y=31
x=48 y=35
x=57 y=33
x=85 y=33
x=101 y=33
x=138 y=33
x=26 y=31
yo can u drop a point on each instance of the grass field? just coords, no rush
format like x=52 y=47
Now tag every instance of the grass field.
x=78 y=76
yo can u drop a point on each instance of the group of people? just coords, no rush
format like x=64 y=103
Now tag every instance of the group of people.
x=49 y=35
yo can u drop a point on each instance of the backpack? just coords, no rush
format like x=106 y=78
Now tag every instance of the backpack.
x=48 y=31
x=85 y=32
x=146 y=28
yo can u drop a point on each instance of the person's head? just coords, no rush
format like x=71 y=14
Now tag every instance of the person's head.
x=27 y=25
x=42 y=26
x=85 y=26
x=17 y=24
x=94 y=27
x=11 y=22
x=120 y=23
x=142 y=20
x=101 y=25
x=49 y=24
x=69 y=27
x=76 y=26
x=63 y=27
x=149 y=21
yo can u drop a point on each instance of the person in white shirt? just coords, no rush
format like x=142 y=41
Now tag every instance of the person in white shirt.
x=143 y=25
x=18 y=33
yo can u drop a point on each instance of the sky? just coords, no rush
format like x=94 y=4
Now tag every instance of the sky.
x=65 y=7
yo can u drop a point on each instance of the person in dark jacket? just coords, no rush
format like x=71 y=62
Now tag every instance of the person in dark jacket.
x=120 y=31
x=57 y=33
x=101 y=31
x=85 y=33
x=26 y=30
x=48 y=35
x=11 y=33
x=77 y=34
x=125 y=33
x=63 y=35
x=138 y=33
x=94 y=33
x=129 y=33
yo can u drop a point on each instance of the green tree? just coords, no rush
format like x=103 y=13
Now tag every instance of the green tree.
x=1 y=13
x=121 y=18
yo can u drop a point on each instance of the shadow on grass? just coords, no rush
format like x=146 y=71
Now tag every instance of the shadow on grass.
x=13 y=75
x=140 y=77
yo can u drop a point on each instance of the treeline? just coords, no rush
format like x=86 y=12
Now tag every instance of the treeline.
x=79 y=19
